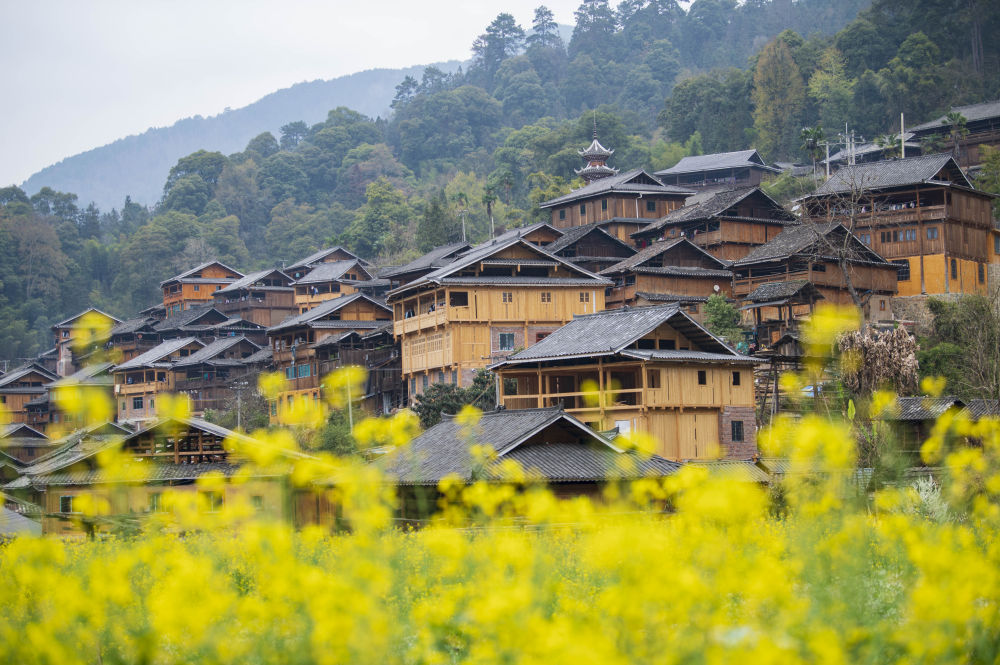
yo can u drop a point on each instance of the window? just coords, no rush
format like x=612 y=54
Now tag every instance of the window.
x=702 y=377
x=650 y=206
x=257 y=501
x=604 y=204
x=507 y=296
x=290 y=372
x=562 y=214
x=197 y=287
x=736 y=378
x=65 y=334
x=996 y=244
x=540 y=336
x=213 y=501
x=903 y=269
x=932 y=233
x=413 y=386
x=954 y=269
x=653 y=378
x=424 y=381
x=886 y=236
x=583 y=209
x=982 y=273
x=668 y=345
x=274 y=408
x=736 y=427
x=584 y=296
x=152 y=404
x=303 y=371
x=440 y=376
x=546 y=296
x=819 y=267
x=65 y=504
x=506 y=341
x=458 y=299
x=154 y=502
x=454 y=377
x=881 y=305
x=137 y=403
x=866 y=238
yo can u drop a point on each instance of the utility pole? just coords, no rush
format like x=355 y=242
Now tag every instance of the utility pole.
x=902 y=138
x=463 y=212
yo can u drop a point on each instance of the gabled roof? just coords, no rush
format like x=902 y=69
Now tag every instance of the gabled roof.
x=210 y=351
x=657 y=248
x=890 y=173
x=977 y=408
x=575 y=234
x=72 y=319
x=612 y=331
x=716 y=205
x=72 y=448
x=13 y=523
x=20 y=430
x=187 y=273
x=315 y=257
x=486 y=250
x=443 y=450
x=189 y=317
x=248 y=281
x=263 y=356
x=328 y=272
x=921 y=408
x=521 y=231
x=635 y=181
x=719 y=160
x=96 y=374
x=436 y=258
x=15 y=374
x=328 y=307
x=775 y=292
x=156 y=354
x=807 y=238
x=971 y=113
x=134 y=325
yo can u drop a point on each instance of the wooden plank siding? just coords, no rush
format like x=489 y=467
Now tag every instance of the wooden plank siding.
x=604 y=208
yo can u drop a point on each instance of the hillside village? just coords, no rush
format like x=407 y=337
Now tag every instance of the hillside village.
x=591 y=324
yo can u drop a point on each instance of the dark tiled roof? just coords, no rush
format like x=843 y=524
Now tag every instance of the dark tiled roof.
x=20 y=430
x=524 y=281
x=612 y=331
x=716 y=205
x=684 y=271
x=574 y=234
x=443 y=449
x=15 y=374
x=133 y=325
x=13 y=523
x=971 y=112
x=436 y=258
x=567 y=462
x=97 y=374
x=263 y=356
x=186 y=274
x=978 y=408
x=656 y=249
x=891 y=173
x=739 y=470
x=210 y=351
x=328 y=307
x=157 y=353
x=63 y=324
x=249 y=280
x=635 y=181
x=328 y=272
x=688 y=356
x=521 y=231
x=319 y=256
x=187 y=317
x=922 y=408
x=807 y=238
x=777 y=290
x=719 y=160
x=668 y=297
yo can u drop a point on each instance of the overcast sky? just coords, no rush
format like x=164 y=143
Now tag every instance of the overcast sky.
x=80 y=74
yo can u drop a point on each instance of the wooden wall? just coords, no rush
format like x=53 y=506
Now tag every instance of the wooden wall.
x=617 y=206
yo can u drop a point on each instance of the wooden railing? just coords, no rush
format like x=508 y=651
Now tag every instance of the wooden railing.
x=577 y=401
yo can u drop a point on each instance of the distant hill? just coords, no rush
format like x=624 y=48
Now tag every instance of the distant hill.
x=138 y=165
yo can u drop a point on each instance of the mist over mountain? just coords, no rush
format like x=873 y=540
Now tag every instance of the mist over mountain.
x=137 y=165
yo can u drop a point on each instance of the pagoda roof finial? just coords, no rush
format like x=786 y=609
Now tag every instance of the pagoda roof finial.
x=596 y=156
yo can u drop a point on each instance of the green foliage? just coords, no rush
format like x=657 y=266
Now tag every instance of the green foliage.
x=335 y=436
x=779 y=98
x=723 y=320
x=964 y=345
x=988 y=178
x=438 y=225
x=447 y=398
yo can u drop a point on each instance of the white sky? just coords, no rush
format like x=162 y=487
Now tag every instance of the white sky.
x=80 y=74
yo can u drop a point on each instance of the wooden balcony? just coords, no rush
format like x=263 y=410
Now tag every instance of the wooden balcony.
x=879 y=218
x=420 y=321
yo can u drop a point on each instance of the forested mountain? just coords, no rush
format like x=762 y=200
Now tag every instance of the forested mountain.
x=487 y=144
x=137 y=165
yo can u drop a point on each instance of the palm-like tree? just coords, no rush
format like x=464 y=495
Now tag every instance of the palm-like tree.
x=889 y=143
x=812 y=139
x=957 y=130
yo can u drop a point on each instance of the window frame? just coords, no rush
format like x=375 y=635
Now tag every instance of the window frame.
x=500 y=341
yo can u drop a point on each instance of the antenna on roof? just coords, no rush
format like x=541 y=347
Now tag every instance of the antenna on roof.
x=595 y=123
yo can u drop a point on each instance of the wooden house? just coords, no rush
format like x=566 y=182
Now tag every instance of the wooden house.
x=46 y=412
x=550 y=445
x=982 y=122
x=634 y=195
x=79 y=335
x=912 y=420
x=813 y=252
x=299 y=269
x=132 y=337
x=138 y=382
x=173 y=453
x=23 y=442
x=646 y=369
x=776 y=308
x=668 y=271
x=300 y=348
x=207 y=375
x=20 y=386
x=265 y=297
x=427 y=263
x=726 y=223
x=196 y=286
x=589 y=246
x=921 y=213
x=208 y=323
x=743 y=168
x=325 y=281
x=501 y=296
